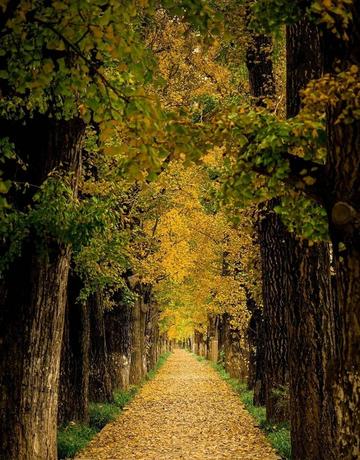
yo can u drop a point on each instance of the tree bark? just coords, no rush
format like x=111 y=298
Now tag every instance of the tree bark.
x=343 y=169
x=136 y=367
x=32 y=315
x=259 y=387
x=235 y=354
x=118 y=334
x=311 y=357
x=310 y=316
x=262 y=86
x=276 y=257
x=254 y=338
x=74 y=367
x=100 y=389
x=152 y=335
x=260 y=67
x=213 y=338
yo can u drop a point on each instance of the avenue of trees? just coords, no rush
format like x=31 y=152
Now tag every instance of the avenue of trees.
x=188 y=172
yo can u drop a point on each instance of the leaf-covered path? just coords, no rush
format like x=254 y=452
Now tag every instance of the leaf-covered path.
x=186 y=412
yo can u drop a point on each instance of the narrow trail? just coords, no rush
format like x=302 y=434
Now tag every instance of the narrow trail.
x=187 y=412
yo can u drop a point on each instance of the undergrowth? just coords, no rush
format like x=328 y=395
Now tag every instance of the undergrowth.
x=102 y=413
x=279 y=434
x=75 y=436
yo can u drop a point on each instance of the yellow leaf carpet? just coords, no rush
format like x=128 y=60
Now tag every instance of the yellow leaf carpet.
x=187 y=412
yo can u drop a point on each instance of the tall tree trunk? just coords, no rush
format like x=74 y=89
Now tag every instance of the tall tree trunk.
x=236 y=353
x=260 y=67
x=74 y=368
x=343 y=169
x=152 y=335
x=254 y=339
x=311 y=326
x=262 y=86
x=276 y=257
x=213 y=334
x=311 y=357
x=32 y=312
x=100 y=389
x=118 y=334
x=144 y=309
x=259 y=387
x=136 y=368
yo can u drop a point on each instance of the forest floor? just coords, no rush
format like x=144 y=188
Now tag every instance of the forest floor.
x=185 y=412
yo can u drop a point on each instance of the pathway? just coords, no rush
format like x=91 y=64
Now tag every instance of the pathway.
x=187 y=412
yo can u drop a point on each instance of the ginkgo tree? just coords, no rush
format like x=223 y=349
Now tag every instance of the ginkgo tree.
x=193 y=253
x=65 y=65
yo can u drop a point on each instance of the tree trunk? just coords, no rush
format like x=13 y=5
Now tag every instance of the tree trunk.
x=311 y=326
x=254 y=339
x=100 y=389
x=259 y=387
x=235 y=353
x=152 y=335
x=32 y=312
x=144 y=309
x=118 y=335
x=213 y=334
x=276 y=257
x=136 y=368
x=260 y=67
x=74 y=368
x=342 y=202
x=311 y=357
x=262 y=86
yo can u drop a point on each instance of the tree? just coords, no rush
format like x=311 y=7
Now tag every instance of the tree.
x=311 y=314
x=276 y=255
x=62 y=66
x=293 y=153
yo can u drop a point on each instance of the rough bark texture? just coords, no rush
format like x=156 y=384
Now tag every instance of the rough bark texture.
x=260 y=67
x=262 y=85
x=236 y=353
x=311 y=326
x=136 y=367
x=100 y=388
x=254 y=338
x=259 y=388
x=144 y=309
x=311 y=357
x=152 y=335
x=74 y=368
x=276 y=259
x=32 y=301
x=233 y=353
x=213 y=339
x=118 y=336
x=343 y=169
x=304 y=61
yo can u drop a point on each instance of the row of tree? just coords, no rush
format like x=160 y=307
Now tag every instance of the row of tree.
x=111 y=241
x=306 y=334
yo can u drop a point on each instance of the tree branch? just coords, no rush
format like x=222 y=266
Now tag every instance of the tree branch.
x=88 y=61
x=296 y=176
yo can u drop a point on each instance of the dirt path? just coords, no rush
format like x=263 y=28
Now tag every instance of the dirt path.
x=187 y=412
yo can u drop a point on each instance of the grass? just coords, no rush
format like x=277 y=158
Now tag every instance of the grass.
x=75 y=436
x=102 y=413
x=123 y=397
x=278 y=435
x=160 y=362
